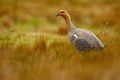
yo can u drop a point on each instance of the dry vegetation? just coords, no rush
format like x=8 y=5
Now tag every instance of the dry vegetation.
x=33 y=47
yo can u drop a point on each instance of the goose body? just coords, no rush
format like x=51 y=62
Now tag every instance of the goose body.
x=82 y=39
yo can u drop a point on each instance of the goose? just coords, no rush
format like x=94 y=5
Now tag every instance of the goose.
x=82 y=39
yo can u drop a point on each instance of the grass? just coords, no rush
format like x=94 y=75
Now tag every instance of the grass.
x=34 y=56
x=34 y=43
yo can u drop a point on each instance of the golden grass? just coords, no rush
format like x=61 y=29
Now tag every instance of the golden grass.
x=34 y=56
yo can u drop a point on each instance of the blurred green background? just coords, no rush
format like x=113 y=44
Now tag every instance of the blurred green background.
x=39 y=15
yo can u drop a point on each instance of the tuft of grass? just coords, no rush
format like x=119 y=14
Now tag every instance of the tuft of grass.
x=40 y=44
x=62 y=30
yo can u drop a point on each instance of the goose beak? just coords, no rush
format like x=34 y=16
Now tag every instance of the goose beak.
x=58 y=14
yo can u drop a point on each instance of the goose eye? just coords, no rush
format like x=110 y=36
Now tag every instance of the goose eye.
x=62 y=12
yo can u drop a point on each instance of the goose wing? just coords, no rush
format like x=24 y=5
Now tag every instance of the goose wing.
x=83 y=39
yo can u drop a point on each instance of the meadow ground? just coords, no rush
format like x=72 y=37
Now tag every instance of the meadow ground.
x=34 y=43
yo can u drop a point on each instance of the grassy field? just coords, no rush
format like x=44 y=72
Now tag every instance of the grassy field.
x=34 y=43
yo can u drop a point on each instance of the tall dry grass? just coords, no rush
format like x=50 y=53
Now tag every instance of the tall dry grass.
x=34 y=56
